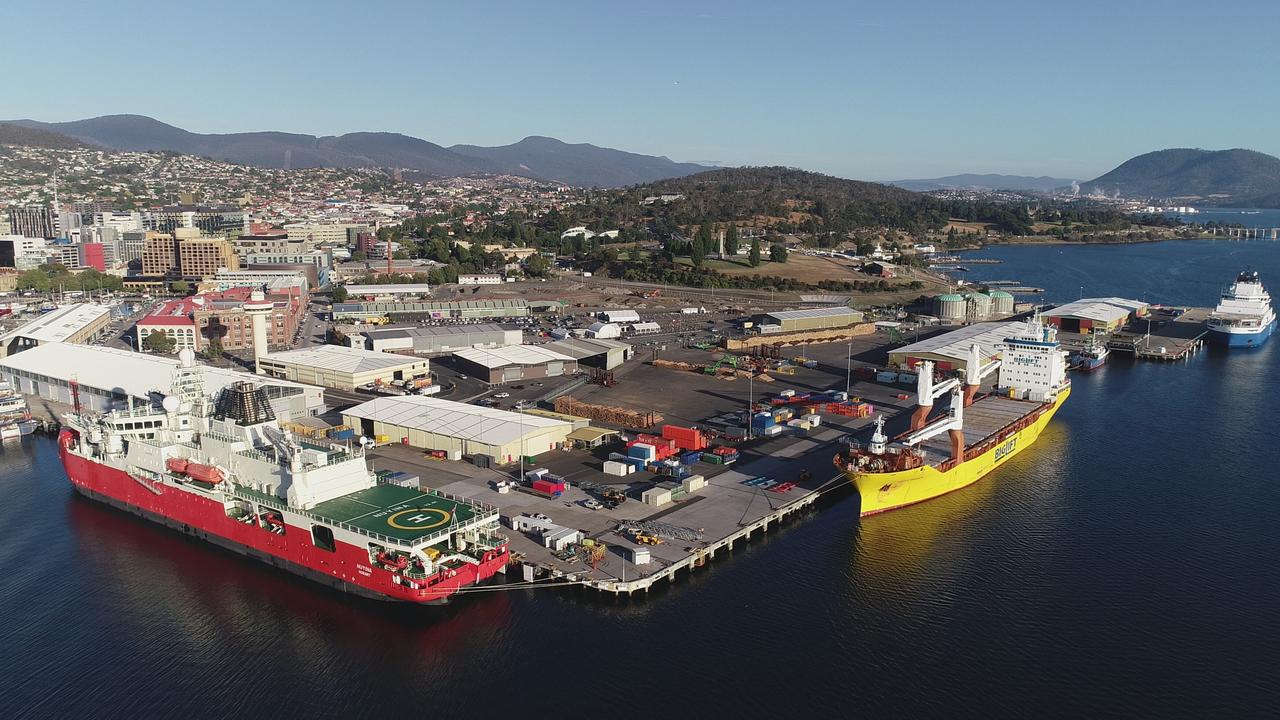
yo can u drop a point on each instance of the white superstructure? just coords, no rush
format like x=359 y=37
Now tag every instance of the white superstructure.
x=1033 y=364
x=1245 y=308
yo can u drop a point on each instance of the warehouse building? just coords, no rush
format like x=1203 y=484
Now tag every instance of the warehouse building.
x=438 y=338
x=1096 y=315
x=388 y=291
x=514 y=363
x=110 y=378
x=340 y=368
x=821 y=318
x=78 y=323
x=619 y=316
x=594 y=352
x=434 y=424
x=950 y=350
x=454 y=311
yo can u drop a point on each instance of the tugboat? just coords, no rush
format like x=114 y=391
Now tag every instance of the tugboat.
x=1244 y=317
x=1091 y=357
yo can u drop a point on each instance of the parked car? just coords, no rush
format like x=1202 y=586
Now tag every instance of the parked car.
x=502 y=395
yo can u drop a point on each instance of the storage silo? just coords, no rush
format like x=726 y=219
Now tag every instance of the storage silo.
x=1001 y=303
x=980 y=306
x=950 y=309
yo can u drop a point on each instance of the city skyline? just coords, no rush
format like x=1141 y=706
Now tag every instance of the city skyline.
x=863 y=92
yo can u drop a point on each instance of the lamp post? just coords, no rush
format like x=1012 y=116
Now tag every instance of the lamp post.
x=848 y=369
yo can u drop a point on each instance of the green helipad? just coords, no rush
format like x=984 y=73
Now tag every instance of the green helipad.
x=402 y=513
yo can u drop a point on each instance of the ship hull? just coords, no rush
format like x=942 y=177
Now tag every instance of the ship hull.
x=347 y=568
x=1226 y=339
x=882 y=492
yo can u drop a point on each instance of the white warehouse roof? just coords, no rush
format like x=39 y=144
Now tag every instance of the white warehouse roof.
x=1108 y=309
x=132 y=373
x=60 y=324
x=453 y=419
x=340 y=358
x=512 y=355
x=814 y=313
x=955 y=344
x=621 y=315
x=390 y=289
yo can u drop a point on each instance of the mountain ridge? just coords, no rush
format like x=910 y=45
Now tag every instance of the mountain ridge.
x=1235 y=177
x=538 y=157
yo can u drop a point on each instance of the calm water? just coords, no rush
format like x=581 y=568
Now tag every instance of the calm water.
x=1128 y=564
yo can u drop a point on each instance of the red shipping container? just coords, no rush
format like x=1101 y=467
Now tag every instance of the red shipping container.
x=548 y=486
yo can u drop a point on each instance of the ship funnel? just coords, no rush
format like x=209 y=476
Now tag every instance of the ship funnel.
x=244 y=404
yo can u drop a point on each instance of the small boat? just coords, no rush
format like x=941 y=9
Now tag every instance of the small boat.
x=1091 y=357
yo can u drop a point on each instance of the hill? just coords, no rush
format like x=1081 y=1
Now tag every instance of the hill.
x=539 y=158
x=785 y=199
x=551 y=159
x=11 y=134
x=1240 y=178
x=971 y=181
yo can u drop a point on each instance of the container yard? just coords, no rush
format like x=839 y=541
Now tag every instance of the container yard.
x=694 y=472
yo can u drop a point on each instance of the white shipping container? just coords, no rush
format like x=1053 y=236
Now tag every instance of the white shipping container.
x=773 y=430
x=693 y=483
x=618 y=469
x=814 y=420
x=787 y=393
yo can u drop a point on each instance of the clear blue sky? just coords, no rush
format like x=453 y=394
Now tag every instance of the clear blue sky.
x=874 y=90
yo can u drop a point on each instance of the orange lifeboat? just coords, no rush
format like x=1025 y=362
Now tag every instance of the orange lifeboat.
x=205 y=473
x=176 y=465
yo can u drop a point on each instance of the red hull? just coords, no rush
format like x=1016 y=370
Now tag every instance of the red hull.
x=347 y=568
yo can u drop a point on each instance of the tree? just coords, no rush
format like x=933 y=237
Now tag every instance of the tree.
x=35 y=280
x=755 y=252
x=778 y=252
x=731 y=241
x=181 y=287
x=339 y=294
x=359 y=256
x=698 y=250
x=158 y=342
x=214 y=349
x=536 y=265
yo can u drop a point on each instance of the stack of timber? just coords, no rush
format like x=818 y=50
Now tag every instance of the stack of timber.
x=638 y=419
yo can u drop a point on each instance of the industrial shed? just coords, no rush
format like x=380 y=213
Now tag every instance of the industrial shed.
x=515 y=363
x=439 y=339
x=594 y=352
x=812 y=318
x=77 y=323
x=434 y=424
x=111 y=379
x=950 y=350
x=341 y=368
x=1099 y=315
x=453 y=311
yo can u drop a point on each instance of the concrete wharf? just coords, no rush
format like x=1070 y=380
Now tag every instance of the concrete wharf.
x=1166 y=334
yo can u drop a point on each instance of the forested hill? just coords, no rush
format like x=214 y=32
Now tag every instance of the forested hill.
x=784 y=199
x=1239 y=178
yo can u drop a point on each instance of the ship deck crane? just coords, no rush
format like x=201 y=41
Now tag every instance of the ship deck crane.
x=975 y=372
x=927 y=392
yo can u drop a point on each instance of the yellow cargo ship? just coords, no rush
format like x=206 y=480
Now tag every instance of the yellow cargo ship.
x=974 y=437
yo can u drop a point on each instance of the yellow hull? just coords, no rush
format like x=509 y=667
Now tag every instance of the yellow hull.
x=888 y=491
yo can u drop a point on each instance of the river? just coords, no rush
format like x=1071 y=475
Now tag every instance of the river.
x=1127 y=564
